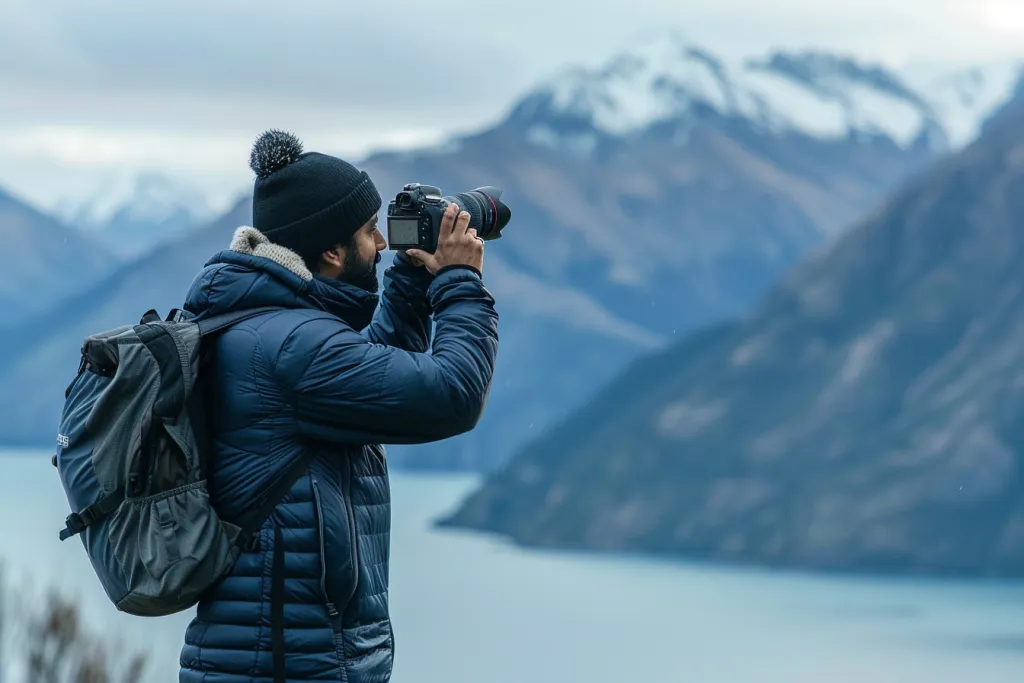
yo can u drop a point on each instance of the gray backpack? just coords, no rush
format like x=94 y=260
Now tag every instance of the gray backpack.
x=131 y=454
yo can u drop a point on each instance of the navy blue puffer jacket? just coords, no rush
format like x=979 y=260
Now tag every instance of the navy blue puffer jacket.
x=329 y=377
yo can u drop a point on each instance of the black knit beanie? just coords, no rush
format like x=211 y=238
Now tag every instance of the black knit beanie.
x=307 y=202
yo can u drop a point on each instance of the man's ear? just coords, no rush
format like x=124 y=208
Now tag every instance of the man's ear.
x=335 y=256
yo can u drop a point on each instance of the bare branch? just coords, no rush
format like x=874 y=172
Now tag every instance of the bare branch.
x=52 y=645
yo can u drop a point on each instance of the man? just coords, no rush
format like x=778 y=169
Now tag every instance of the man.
x=327 y=377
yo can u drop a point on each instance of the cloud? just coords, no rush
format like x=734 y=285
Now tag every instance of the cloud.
x=225 y=61
x=402 y=61
x=1004 y=18
x=186 y=86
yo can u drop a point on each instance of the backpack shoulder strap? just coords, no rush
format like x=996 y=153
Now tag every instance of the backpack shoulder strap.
x=253 y=520
x=217 y=323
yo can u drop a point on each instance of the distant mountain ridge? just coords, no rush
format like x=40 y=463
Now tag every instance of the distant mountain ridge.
x=134 y=213
x=865 y=417
x=46 y=261
x=618 y=248
x=37 y=361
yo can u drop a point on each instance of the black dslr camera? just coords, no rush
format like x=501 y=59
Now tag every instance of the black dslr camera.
x=414 y=215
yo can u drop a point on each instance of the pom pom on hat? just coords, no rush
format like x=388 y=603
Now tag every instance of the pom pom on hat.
x=272 y=151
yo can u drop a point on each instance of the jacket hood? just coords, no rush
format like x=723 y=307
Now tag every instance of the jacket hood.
x=254 y=272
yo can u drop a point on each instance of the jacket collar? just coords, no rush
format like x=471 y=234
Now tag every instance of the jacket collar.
x=350 y=303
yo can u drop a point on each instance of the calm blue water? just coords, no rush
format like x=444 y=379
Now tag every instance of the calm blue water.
x=469 y=609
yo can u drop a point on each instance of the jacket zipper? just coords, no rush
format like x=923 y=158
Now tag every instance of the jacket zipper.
x=331 y=609
x=346 y=483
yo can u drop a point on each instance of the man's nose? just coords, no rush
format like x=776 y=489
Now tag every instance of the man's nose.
x=379 y=240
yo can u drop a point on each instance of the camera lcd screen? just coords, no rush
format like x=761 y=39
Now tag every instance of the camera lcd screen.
x=403 y=232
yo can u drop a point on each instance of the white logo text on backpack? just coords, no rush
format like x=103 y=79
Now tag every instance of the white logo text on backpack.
x=63 y=441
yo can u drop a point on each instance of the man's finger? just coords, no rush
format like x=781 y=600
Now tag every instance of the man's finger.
x=425 y=260
x=463 y=222
x=455 y=217
x=448 y=222
x=418 y=257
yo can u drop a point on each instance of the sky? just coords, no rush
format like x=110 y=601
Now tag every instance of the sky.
x=92 y=92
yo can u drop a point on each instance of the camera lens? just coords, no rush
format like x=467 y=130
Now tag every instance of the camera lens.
x=487 y=214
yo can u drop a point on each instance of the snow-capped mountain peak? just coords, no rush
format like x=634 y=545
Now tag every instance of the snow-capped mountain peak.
x=635 y=89
x=671 y=80
x=146 y=197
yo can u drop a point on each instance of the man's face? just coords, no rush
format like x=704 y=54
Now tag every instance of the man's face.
x=357 y=262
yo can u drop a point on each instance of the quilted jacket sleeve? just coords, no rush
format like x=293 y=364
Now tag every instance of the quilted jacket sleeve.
x=402 y=318
x=342 y=388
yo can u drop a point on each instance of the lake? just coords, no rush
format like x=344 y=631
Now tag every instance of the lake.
x=471 y=609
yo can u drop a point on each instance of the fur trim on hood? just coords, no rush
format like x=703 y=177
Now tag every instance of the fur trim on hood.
x=251 y=241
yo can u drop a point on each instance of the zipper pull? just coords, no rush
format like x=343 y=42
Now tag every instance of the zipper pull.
x=332 y=610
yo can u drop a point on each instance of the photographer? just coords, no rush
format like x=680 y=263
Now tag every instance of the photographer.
x=305 y=393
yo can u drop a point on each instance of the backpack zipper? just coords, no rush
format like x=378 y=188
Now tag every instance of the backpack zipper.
x=331 y=609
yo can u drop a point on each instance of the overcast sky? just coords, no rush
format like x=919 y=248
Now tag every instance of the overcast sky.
x=103 y=86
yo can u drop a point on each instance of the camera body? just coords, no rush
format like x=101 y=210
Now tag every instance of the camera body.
x=414 y=215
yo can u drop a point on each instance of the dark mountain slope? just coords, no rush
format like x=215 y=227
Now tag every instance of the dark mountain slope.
x=868 y=417
x=39 y=360
x=658 y=240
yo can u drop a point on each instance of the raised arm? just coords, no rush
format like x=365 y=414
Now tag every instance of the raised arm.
x=345 y=390
x=342 y=388
x=402 y=318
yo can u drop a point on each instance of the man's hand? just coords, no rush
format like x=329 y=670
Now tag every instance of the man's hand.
x=457 y=244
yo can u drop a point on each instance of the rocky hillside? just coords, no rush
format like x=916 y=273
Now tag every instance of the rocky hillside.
x=867 y=417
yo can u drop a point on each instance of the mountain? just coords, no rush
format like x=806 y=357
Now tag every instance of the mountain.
x=51 y=260
x=133 y=213
x=866 y=416
x=38 y=360
x=668 y=190
x=624 y=238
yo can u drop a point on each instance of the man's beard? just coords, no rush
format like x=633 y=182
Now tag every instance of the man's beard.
x=358 y=272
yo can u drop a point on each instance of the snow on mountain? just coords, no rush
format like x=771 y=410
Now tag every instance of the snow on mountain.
x=145 y=197
x=963 y=99
x=135 y=212
x=812 y=93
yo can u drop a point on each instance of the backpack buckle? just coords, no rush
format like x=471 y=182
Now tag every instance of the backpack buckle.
x=76 y=522
x=176 y=316
x=73 y=524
